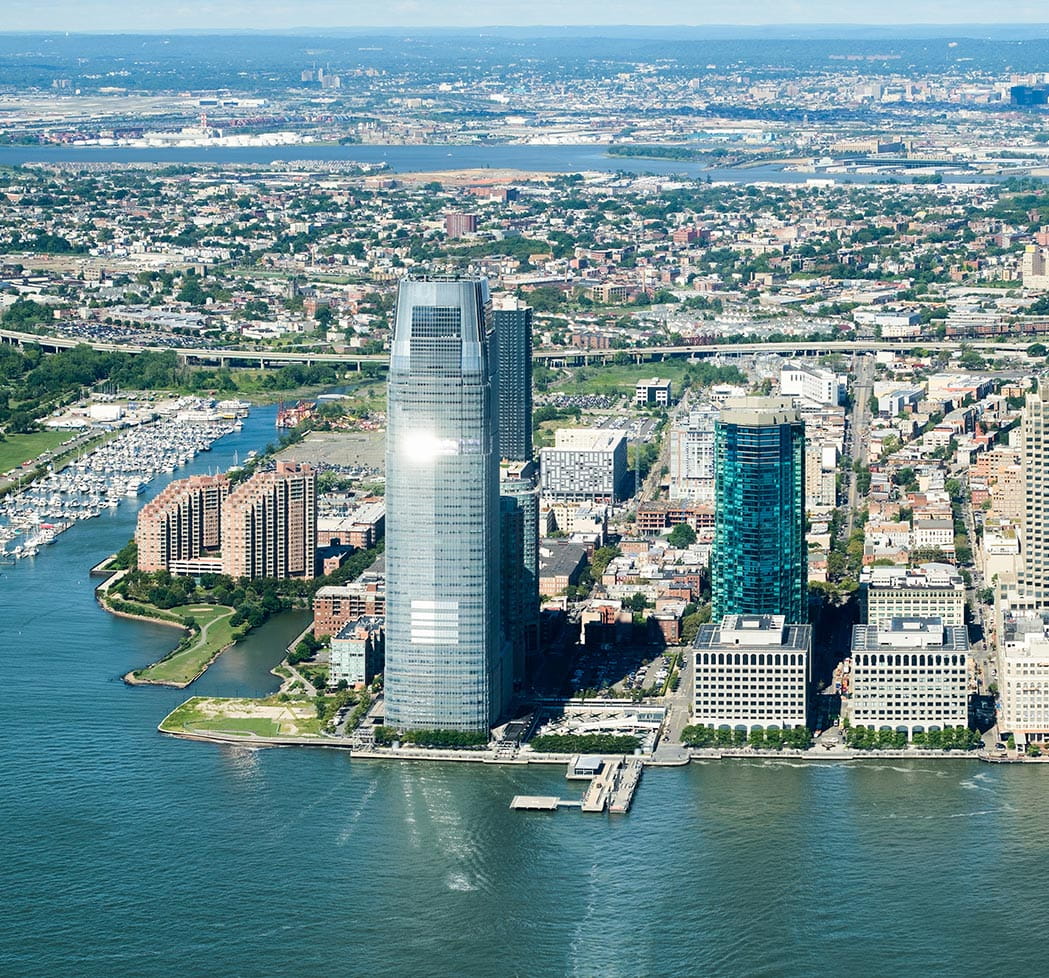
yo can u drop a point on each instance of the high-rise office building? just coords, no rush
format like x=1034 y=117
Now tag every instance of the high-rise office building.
x=512 y=320
x=269 y=524
x=751 y=671
x=445 y=661
x=909 y=674
x=759 y=564
x=519 y=508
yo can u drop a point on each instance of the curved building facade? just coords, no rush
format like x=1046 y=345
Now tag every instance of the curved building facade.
x=445 y=661
x=759 y=562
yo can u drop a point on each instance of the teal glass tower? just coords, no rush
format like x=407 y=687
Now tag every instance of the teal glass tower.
x=759 y=563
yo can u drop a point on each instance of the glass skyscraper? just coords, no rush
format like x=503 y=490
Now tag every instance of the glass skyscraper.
x=759 y=563
x=519 y=500
x=446 y=666
x=513 y=330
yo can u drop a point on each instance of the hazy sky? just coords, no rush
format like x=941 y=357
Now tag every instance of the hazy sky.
x=109 y=15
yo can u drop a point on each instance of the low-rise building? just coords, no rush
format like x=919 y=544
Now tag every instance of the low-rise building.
x=930 y=590
x=909 y=675
x=560 y=564
x=357 y=652
x=653 y=390
x=362 y=528
x=752 y=672
x=335 y=605
x=811 y=383
x=933 y=534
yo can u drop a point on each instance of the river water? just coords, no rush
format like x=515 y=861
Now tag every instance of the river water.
x=126 y=853
x=426 y=159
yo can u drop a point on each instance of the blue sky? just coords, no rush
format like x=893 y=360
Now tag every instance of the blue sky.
x=107 y=15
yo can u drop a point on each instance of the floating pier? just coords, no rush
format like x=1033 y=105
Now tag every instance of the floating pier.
x=613 y=781
x=540 y=803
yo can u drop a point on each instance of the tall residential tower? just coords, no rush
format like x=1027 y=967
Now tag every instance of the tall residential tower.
x=1034 y=580
x=518 y=480
x=759 y=564
x=512 y=321
x=446 y=666
x=269 y=524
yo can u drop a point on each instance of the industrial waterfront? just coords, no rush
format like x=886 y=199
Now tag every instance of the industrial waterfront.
x=129 y=853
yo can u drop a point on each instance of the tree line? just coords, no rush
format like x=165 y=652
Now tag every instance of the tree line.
x=795 y=738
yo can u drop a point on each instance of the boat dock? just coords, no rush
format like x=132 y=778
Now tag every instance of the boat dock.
x=612 y=789
x=541 y=803
x=613 y=781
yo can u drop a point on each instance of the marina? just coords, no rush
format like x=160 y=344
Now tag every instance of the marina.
x=35 y=515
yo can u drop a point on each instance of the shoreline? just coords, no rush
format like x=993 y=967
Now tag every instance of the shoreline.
x=132 y=680
x=491 y=757
x=129 y=678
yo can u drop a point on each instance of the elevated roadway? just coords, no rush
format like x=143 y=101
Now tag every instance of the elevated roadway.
x=224 y=357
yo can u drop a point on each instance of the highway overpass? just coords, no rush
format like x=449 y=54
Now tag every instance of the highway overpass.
x=560 y=357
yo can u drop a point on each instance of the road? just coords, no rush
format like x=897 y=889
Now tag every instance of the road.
x=797 y=347
x=677 y=718
x=862 y=388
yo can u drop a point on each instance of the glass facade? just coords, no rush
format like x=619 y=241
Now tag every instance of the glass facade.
x=519 y=499
x=513 y=330
x=445 y=663
x=759 y=563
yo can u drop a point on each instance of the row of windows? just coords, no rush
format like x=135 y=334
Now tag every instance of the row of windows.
x=751 y=658
x=898 y=714
x=908 y=659
x=776 y=679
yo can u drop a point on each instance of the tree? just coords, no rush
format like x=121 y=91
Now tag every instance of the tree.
x=637 y=602
x=690 y=623
x=602 y=557
x=682 y=536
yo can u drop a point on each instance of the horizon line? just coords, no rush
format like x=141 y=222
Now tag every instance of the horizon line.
x=997 y=25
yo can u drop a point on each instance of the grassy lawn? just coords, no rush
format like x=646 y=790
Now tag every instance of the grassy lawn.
x=269 y=717
x=259 y=726
x=185 y=663
x=21 y=448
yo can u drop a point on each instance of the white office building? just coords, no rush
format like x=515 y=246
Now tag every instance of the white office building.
x=910 y=675
x=752 y=672
x=1023 y=676
x=811 y=384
